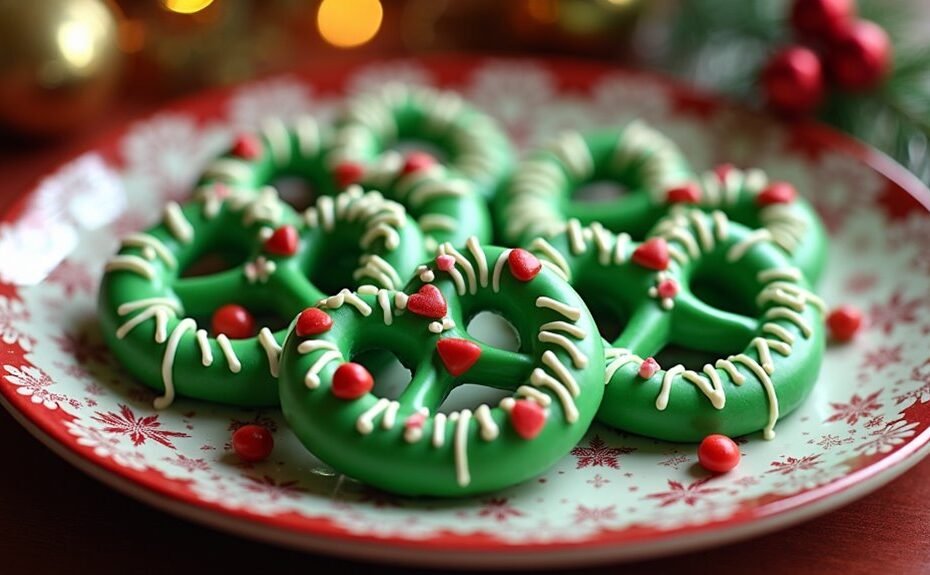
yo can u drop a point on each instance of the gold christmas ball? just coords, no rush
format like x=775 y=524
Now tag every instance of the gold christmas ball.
x=59 y=63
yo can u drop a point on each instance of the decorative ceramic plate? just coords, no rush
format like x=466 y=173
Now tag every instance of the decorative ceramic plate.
x=614 y=496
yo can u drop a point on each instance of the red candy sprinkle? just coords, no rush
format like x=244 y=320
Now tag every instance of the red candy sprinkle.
x=351 y=381
x=652 y=254
x=427 y=302
x=528 y=418
x=776 y=193
x=348 y=173
x=313 y=321
x=718 y=453
x=648 y=368
x=417 y=162
x=247 y=147
x=667 y=288
x=793 y=82
x=252 y=443
x=688 y=193
x=283 y=241
x=723 y=170
x=458 y=355
x=844 y=322
x=822 y=19
x=234 y=321
x=414 y=421
x=523 y=265
x=445 y=262
x=860 y=56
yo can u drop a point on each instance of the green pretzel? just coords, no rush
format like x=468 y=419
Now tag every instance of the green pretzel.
x=149 y=313
x=538 y=200
x=407 y=445
x=769 y=357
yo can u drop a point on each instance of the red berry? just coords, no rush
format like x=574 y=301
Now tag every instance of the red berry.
x=689 y=193
x=776 y=193
x=247 y=147
x=652 y=254
x=351 y=381
x=718 y=453
x=844 y=322
x=860 y=57
x=234 y=321
x=348 y=173
x=667 y=288
x=417 y=162
x=252 y=443
x=528 y=418
x=523 y=265
x=283 y=241
x=313 y=321
x=792 y=81
x=822 y=19
x=648 y=368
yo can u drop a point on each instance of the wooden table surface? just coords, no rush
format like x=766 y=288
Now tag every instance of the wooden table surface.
x=55 y=519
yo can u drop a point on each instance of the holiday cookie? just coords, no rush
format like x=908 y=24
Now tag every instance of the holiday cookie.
x=658 y=180
x=201 y=336
x=409 y=444
x=758 y=319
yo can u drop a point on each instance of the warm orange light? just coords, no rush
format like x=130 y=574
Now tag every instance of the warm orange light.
x=543 y=10
x=349 y=23
x=186 y=6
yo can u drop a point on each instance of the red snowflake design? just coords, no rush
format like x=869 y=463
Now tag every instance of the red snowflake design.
x=271 y=488
x=857 y=408
x=598 y=454
x=861 y=283
x=73 y=278
x=793 y=464
x=896 y=311
x=188 y=464
x=499 y=509
x=83 y=347
x=585 y=514
x=881 y=357
x=690 y=494
x=598 y=481
x=876 y=421
x=378 y=499
x=921 y=376
x=138 y=429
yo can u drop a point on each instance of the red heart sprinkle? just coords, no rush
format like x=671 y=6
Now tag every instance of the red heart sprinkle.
x=688 y=193
x=458 y=355
x=283 y=241
x=313 y=321
x=527 y=418
x=247 y=147
x=667 y=288
x=648 y=368
x=351 y=381
x=776 y=193
x=348 y=173
x=417 y=161
x=414 y=421
x=523 y=265
x=445 y=262
x=723 y=170
x=427 y=302
x=652 y=254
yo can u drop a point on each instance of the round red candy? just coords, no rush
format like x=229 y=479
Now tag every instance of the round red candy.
x=417 y=162
x=860 y=57
x=821 y=20
x=351 y=381
x=792 y=81
x=718 y=453
x=252 y=443
x=844 y=322
x=234 y=321
x=313 y=321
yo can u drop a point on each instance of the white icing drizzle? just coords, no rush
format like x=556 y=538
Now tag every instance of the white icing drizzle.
x=436 y=189
x=727 y=366
x=540 y=378
x=579 y=360
x=763 y=376
x=792 y=316
x=346 y=297
x=206 y=354
x=151 y=245
x=619 y=357
x=784 y=274
x=435 y=327
x=384 y=301
x=312 y=378
x=561 y=372
x=266 y=207
x=390 y=415
x=710 y=387
x=563 y=326
x=232 y=360
x=480 y=259
x=367 y=289
x=461 y=448
x=576 y=237
x=275 y=133
x=308 y=135
x=311 y=345
x=365 y=422
x=441 y=222
x=228 y=170
x=662 y=399
x=159 y=312
x=558 y=307
x=779 y=332
x=439 y=430
x=755 y=237
x=533 y=394
x=464 y=263
x=379 y=270
x=486 y=425
x=167 y=362
x=177 y=223
x=498 y=267
x=573 y=153
x=260 y=270
x=272 y=350
x=551 y=256
x=400 y=300
x=130 y=263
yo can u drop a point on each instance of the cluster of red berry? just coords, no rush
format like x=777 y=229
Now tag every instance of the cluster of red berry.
x=835 y=47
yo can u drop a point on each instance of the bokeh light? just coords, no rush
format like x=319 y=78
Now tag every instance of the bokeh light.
x=349 y=23
x=186 y=6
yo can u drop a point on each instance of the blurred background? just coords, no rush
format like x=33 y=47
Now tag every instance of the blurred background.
x=68 y=67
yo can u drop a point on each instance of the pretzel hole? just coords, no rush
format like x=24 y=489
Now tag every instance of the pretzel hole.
x=332 y=270
x=298 y=192
x=690 y=358
x=390 y=375
x=214 y=262
x=471 y=396
x=610 y=322
x=722 y=294
x=494 y=330
x=600 y=192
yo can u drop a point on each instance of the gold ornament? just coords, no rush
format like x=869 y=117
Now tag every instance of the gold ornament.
x=59 y=62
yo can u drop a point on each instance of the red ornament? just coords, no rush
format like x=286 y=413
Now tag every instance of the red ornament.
x=283 y=241
x=820 y=20
x=667 y=288
x=523 y=265
x=718 y=453
x=649 y=367
x=348 y=173
x=247 y=147
x=445 y=262
x=458 y=355
x=844 y=322
x=528 y=418
x=792 y=81
x=776 y=193
x=351 y=381
x=313 y=321
x=417 y=162
x=234 y=321
x=252 y=443
x=652 y=254
x=428 y=302
x=723 y=170
x=860 y=57
x=689 y=193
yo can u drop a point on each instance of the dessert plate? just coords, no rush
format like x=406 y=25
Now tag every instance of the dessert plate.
x=614 y=496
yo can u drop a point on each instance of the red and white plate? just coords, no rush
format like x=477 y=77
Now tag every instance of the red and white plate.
x=615 y=496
